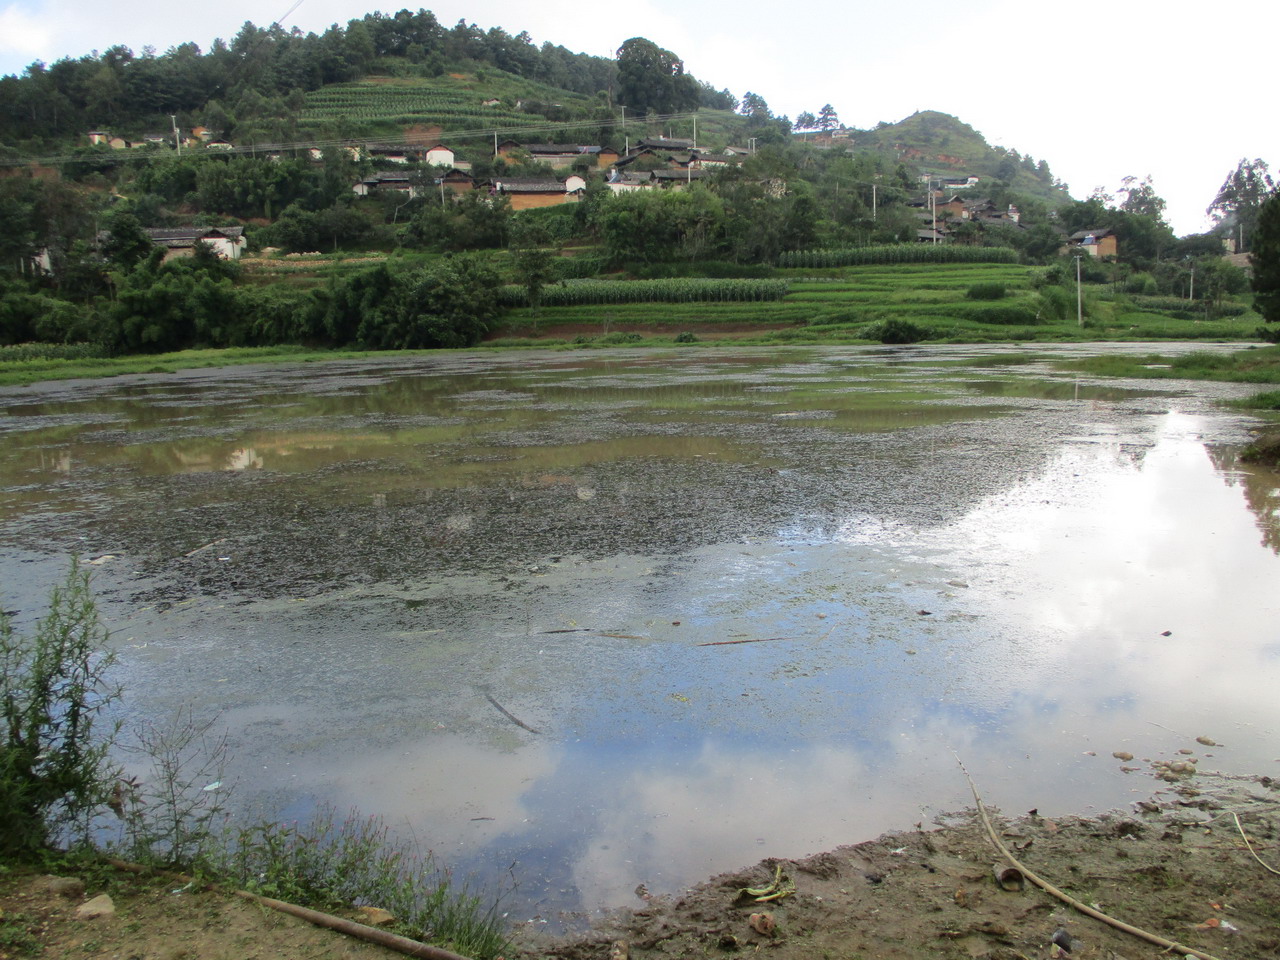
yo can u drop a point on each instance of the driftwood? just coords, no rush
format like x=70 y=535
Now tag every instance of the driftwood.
x=509 y=715
x=392 y=941
x=1249 y=845
x=1168 y=945
x=727 y=643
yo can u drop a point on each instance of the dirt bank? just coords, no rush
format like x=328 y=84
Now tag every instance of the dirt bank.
x=1176 y=866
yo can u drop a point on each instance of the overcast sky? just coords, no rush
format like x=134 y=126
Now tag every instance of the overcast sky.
x=1177 y=90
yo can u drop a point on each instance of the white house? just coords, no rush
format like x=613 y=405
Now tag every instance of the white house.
x=441 y=157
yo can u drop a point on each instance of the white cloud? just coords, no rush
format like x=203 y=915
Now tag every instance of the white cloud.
x=21 y=34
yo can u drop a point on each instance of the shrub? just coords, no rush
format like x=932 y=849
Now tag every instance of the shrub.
x=1056 y=303
x=54 y=770
x=896 y=331
x=686 y=337
x=986 y=291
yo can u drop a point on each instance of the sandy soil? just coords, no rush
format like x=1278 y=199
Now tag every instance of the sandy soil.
x=1178 y=867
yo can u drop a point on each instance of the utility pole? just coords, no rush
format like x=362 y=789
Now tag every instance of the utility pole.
x=177 y=140
x=626 y=141
x=873 y=201
x=1079 y=296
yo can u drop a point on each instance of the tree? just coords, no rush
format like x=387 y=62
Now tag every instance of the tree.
x=651 y=78
x=1265 y=258
x=806 y=121
x=126 y=242
x=1240 y=199
x=827 y=117
x=54 y=767
x=755 y=108
x=534 y=263
x=1141 y=198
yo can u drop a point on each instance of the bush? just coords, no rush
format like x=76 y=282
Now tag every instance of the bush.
x=1056 y=303
x=686 y=337
x=54 y=771
x=895 y=331
x=986 y=291
x=1055 y=275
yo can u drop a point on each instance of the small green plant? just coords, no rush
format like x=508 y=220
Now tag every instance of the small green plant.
x=54 y=768
x=686 y=337
x=16 y=939
x=169 y=813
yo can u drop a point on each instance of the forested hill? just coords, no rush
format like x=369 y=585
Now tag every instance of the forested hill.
x=388 y=76
x=256 y=86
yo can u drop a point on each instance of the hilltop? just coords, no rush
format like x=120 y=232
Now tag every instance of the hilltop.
x=945 y=146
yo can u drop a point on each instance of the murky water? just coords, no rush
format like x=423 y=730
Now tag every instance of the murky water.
x=592 y=620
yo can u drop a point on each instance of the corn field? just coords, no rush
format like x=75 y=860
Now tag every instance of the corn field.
x=895 y=253
x=19 y=352
x=577 y=293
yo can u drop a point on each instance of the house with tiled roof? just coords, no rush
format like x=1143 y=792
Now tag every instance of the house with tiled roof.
x=528 y=193
x=226 y=242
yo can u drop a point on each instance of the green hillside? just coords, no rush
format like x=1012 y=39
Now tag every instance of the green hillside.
x=941 y=144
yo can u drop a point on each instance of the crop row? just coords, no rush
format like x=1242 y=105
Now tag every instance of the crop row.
x=573 y=293
x=895 y=253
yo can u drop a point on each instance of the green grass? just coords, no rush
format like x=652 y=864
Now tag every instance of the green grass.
x=1255 y=365
x=331 y=864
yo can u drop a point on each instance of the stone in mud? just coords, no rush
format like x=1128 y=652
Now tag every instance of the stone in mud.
x=100 y=906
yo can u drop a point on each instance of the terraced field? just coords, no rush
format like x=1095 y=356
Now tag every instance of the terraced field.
x=852 y=303
x=454 y=102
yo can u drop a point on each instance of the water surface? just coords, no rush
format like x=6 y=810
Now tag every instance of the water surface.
x=742 y=603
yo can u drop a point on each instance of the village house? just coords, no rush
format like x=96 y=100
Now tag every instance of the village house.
x=98 y=136
x=392 y=152
x=1097 y=243
x=439 y=156
x=677 y=178
x=226 y=242
x=457 y=181
x=666 y=143
x=559 y=155
x=526 y=194
x=620 y=181
x=384 y=181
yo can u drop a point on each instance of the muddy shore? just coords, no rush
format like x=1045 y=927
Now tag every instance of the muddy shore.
x=1176 y=866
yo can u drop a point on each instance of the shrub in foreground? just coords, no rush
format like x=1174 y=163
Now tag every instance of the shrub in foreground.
x=54 y=767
